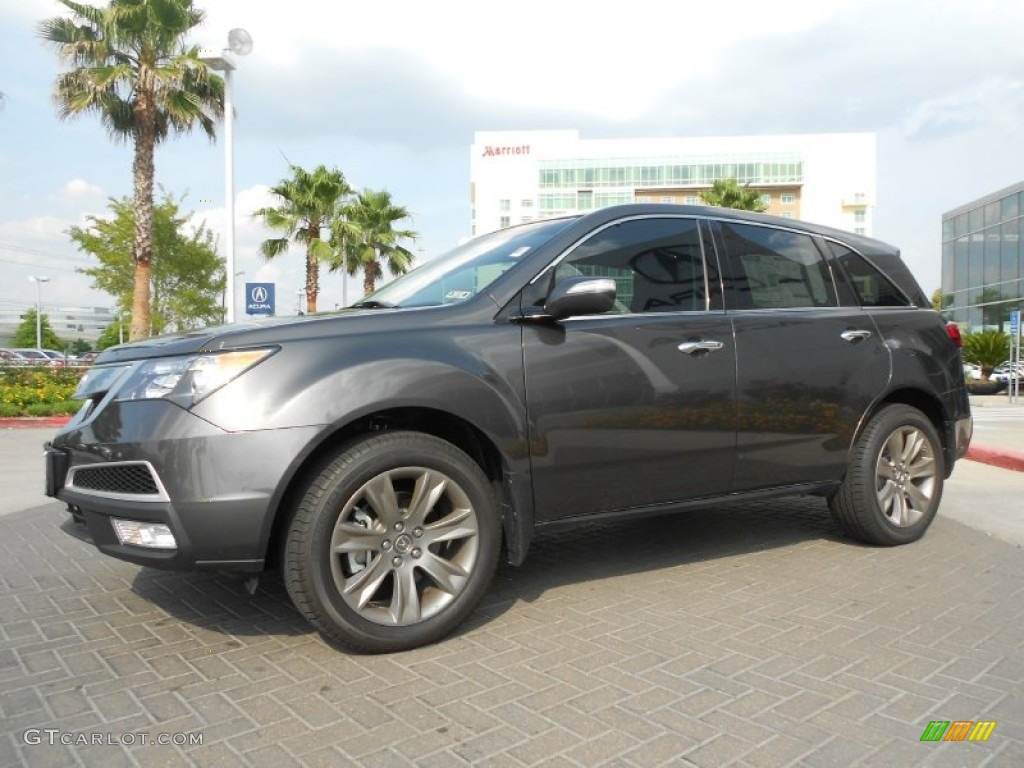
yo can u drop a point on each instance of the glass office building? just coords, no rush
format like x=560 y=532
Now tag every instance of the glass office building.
x=521 y=176
x=982 y=260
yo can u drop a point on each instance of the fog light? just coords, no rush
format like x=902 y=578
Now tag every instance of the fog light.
x=139 y=534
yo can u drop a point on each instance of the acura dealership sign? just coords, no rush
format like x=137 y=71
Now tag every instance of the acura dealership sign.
x=259 y=298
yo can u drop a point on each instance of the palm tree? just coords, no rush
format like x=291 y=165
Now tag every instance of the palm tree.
x=367 y=238
x=986 y=349
x=727 y=193
x=130 y=66
x=310 y=202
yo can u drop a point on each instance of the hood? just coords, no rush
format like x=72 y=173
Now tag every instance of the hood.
x=242 y=333
x=251 y=333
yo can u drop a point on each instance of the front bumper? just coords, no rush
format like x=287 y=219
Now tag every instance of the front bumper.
x=153 y=461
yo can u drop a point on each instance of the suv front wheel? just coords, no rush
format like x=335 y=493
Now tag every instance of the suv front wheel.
x=894 y=481
x=393 y=543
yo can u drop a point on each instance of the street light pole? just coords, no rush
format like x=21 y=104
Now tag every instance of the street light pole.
x=221 y=63
x=39 y=308
x=239 y=43
x=229 y=187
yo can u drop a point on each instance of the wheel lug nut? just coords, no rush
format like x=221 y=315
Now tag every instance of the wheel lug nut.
x=417 y=552
x=386 y=546
x=417 y=531
x=399 y=527
x=396 y=561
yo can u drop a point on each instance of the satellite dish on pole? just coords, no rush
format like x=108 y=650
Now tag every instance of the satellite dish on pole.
x=239 y=41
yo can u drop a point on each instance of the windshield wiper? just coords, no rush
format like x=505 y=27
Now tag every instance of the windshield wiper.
x=373 y=304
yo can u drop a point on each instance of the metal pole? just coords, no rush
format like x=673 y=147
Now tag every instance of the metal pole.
x=39 y=314
x=229 y=190
x=39 y=307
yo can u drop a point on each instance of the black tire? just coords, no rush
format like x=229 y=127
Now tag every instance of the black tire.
x=893 y=484
x=393 y=543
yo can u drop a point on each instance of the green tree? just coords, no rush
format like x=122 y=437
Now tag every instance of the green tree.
x=25 y=335
x=311 y=202
x=111 y=335
x=80 y=347
x=986 y=349
x=187 y=276
x=366 y=239
x=130 y=66
x=728 y=193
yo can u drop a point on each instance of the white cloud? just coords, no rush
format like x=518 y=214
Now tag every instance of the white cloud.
x=995 y=102
x=567 y=55
x=78 y=191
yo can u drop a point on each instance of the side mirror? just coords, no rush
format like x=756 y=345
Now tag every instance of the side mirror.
x=580 y=295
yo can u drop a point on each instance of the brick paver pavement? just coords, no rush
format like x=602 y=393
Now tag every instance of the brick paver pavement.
x=745 y=636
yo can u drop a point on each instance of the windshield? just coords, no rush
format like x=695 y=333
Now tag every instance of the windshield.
x=463 y=272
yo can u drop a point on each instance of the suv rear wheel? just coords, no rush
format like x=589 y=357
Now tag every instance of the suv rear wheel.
x=894 y=482
x=393 y=542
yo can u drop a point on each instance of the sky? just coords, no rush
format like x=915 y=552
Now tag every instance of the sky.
x=391 y=93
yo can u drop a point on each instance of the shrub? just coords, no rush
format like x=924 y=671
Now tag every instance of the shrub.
x=38 y=391
x=986 y=349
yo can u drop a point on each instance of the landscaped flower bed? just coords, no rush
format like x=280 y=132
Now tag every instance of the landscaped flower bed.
x=38 y=391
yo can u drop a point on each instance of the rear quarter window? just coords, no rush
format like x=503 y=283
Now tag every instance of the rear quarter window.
x=869 y=285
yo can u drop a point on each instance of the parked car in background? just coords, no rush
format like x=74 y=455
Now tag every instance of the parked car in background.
x=12 y=357
x=636 y=360
x=61 y=358
x=36 y=356
x=1007 y=371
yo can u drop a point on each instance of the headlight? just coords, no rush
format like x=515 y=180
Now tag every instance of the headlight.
x=187 y=380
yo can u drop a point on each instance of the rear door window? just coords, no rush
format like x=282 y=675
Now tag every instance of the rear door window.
x=773 y=268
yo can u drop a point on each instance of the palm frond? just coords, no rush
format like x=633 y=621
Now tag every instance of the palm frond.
x=273 y=247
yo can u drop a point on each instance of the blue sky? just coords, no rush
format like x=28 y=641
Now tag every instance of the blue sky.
x=392 y=92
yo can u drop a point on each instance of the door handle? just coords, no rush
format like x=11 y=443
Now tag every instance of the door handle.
x=696 y=347
x=855 y=336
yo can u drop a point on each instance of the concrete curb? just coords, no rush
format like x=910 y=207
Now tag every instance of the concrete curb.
x=998 y=457
x=30 y=422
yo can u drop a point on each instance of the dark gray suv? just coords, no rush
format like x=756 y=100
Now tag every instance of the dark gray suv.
x=638 y=359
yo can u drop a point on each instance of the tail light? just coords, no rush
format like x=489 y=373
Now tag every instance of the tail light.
x=954 y=334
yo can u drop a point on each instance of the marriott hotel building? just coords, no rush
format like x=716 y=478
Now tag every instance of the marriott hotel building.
x=521 y=176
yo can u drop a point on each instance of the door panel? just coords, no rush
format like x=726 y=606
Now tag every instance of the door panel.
x=620 y=417
x=634 y=407
x=801 y=391
x=807 y=369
